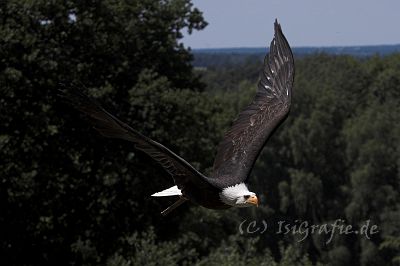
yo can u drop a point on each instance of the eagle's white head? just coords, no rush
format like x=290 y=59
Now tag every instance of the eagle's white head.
x=238 y=196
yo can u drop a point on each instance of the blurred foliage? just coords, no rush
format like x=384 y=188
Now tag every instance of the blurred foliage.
x=69 y=196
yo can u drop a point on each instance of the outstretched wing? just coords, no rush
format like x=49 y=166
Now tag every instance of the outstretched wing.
x=239 y=150
x=109 y=126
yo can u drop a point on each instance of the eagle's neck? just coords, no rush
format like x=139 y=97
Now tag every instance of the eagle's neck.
x=230 y=194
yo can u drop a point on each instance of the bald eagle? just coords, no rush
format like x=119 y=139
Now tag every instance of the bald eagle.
x=237 y=152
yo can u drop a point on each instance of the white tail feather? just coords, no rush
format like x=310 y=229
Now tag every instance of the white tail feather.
x=172 y=191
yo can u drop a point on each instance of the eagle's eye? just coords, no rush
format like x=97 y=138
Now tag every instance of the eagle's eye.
x=246 y=197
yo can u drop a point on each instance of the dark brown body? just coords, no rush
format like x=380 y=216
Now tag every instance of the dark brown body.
x=208 y=198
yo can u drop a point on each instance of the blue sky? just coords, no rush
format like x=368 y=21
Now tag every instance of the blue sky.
x=249 y=23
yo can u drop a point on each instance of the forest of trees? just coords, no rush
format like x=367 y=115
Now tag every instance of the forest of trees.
x=71 y=197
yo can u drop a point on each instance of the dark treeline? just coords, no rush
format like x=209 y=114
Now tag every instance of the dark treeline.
x=70 y=197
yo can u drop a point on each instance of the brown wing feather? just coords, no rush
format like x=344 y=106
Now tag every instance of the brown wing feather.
x=109 y=126
x=250 y=131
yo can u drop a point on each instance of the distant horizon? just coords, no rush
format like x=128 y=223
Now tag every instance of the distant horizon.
x=294 y=47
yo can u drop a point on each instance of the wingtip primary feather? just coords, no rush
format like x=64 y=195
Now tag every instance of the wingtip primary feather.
x=277 y=26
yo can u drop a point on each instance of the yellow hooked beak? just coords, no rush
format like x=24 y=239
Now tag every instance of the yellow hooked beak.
x=252 y=200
